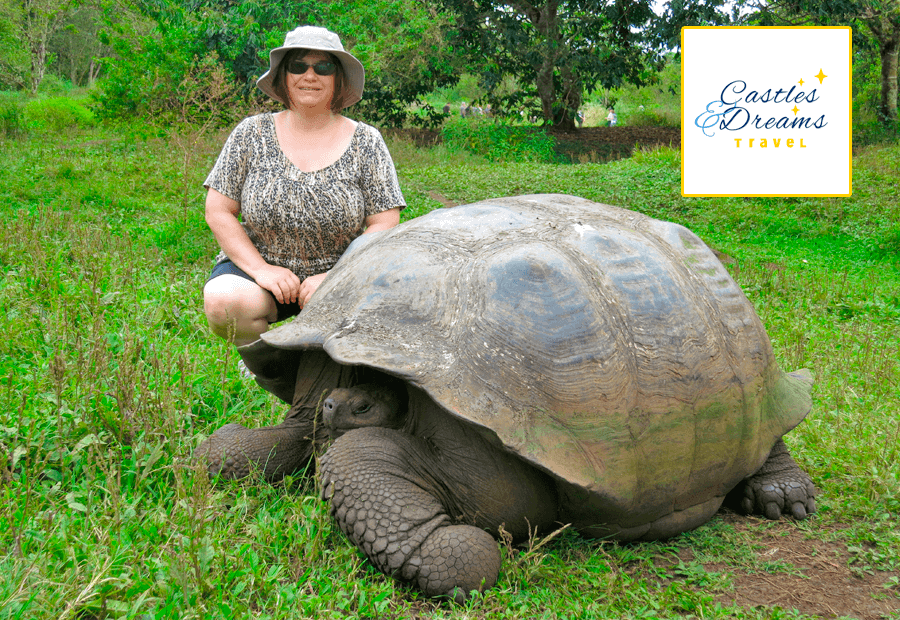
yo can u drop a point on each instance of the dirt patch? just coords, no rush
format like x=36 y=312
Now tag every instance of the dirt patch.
x=811 y=576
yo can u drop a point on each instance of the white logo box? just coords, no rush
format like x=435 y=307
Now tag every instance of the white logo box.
x=766 y=111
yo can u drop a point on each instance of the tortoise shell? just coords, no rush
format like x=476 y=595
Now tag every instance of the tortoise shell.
x=610 y=349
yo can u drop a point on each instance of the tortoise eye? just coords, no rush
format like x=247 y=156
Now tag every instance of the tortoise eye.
x=363 y=409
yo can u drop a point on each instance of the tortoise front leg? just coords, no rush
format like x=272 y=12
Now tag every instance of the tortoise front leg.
x=385 y=501
x=778 y=488
x=233 y=451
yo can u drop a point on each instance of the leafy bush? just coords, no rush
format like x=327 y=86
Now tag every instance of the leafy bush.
x=143 y=80
x=648 y=118
x=11 y=122
x=498 y=141
x=54 y=86
x=56 y=114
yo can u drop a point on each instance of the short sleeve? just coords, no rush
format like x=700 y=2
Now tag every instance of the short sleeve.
x=230 y=172
x=378 y=176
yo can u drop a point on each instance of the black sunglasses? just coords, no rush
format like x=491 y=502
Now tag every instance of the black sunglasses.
x=323 y=67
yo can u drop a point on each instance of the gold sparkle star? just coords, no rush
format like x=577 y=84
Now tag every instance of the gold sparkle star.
x=821 y=75
x=795 y=110
x=801 y=82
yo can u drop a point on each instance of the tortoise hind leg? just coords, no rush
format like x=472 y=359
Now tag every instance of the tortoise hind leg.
x=778 y=488
x=384 y=500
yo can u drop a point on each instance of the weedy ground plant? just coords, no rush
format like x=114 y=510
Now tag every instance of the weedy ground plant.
x=109 y=379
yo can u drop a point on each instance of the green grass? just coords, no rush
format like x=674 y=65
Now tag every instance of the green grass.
x=109 y=378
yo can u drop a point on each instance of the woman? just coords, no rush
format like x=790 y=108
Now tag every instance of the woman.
x=306 y=181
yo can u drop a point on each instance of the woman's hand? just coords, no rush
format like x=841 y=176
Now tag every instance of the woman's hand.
x=309 y=286
x=282 y=283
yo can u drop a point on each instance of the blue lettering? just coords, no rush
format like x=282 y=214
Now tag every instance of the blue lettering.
x=743 y=87
x=735 y=113
x=710 y=118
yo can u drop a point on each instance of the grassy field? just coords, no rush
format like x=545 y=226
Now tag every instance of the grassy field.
x=109 y=378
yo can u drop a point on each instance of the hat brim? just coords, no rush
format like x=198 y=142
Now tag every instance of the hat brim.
x=354 y=74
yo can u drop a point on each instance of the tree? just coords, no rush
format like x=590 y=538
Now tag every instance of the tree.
x=557 y=49
x=31 y=23
x=884 y=23
x=76 y=47
x=399 y=43
x=880 y=17
x=666 y=28
x=239 y=33
x=402 y=47
x=14 y=59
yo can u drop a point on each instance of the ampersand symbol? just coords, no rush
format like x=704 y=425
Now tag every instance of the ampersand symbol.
x=710 y=118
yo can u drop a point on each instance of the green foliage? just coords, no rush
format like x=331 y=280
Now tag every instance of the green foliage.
x=53 y=114
x=497 y=140
x=12 y=123
x=868 y=128
x=54 y=86
x=151 y=72
x=556 y=51
x=402 y=47
x=648 y=118
x=398 y=42
x=14 y=58
x=655 y=104
x=240 y=34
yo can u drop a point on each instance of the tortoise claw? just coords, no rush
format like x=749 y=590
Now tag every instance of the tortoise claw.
x=780 y=488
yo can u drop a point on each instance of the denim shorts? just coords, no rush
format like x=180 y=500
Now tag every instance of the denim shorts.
x=285 y=311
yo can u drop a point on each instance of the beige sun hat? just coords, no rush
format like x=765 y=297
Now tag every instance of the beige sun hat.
x=319 y=39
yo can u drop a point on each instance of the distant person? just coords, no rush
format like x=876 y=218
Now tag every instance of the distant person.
x=611 y=118
x=463 y=109
x=446 y=108
x=579 y=118
x=305 y=182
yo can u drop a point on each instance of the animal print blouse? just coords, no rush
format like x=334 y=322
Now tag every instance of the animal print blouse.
x=303 y=220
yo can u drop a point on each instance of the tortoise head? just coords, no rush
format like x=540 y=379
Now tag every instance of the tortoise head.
x=370 y=404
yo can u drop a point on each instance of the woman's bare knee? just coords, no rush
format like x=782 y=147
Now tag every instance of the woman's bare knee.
x=237 y=307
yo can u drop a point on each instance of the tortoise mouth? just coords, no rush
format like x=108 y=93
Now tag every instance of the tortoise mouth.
x=335 y=432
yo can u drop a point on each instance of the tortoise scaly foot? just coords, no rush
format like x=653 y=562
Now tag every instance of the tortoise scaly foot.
x=779 y=488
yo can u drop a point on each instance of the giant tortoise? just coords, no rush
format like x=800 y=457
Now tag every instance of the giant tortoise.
x=526 y=362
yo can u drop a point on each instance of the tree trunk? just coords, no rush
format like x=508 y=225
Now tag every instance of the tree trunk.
x=93 y=72
x=889 y=53
x=545 y=90
x=886 y=29
x=570 y=101
x=38 y=63
x=545 y=20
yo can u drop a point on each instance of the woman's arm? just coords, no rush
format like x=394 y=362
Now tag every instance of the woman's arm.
x=382 y=221
x=221 y=216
